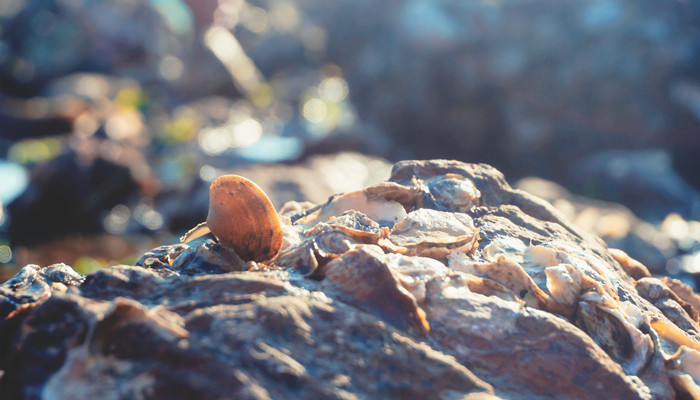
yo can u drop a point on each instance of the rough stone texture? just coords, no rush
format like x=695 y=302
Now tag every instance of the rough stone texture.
x=522 y=304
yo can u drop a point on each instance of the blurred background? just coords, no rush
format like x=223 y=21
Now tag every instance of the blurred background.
x=116 y=114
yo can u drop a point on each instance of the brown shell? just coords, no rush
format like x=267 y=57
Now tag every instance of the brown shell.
x=242 y=217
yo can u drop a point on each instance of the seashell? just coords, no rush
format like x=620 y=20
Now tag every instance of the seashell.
x=505 y=272
x=431 y=233
x=329 y=240
x=634 y=268
x=242 y=217
x=616 y=326
x=385 y=212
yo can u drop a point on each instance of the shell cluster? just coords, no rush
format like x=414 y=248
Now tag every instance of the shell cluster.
x=443 y=282
x=426 y=248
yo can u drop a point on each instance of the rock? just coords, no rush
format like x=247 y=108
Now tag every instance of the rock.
x=492 y=294
x=34 y=283
x=69 y=194
x=644 y=181
x=666 y=246
x=56 y=38
x=505 y=83
x=613 y=222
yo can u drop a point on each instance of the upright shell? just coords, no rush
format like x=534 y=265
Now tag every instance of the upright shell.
x=242 y=217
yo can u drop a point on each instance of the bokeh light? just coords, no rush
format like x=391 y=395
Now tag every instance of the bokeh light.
x=176 y=13
x=215 y=141
x=125 y=124
x=255 y=19
x=34 y=150
x=229 y=51
x=117 y=219
x=246 y=132
x=148 y=217
x=14 y=180
x=92 y=86
x=171 y=67
x=5 y=253
x=272 y=149
x=284 y=16
x=333 y=89
x=315 y=110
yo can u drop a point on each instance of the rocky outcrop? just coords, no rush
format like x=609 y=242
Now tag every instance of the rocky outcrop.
x=443 y=282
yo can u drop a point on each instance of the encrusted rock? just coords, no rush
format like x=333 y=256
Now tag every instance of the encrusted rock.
x=442 y=283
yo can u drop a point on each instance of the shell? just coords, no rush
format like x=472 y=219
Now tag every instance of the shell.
x=243 y=218
x=385 y=212
x=431 y=233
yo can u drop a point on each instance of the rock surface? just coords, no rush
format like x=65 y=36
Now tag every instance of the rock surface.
x=667 y=247
x=443 y=282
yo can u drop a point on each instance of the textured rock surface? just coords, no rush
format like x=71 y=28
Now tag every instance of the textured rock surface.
x=441 y=283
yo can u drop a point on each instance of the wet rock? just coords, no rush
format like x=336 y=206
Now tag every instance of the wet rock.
x=530 y=306
x=34 y=283
x=19 y=298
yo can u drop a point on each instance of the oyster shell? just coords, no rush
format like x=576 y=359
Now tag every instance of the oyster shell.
x=634 y=268
x=454 y=192
x=615 y=328
x=386 y=212
x=671 y=306
x=684 y=367
x=507 y=273
x=327 y=241
x=431 y=233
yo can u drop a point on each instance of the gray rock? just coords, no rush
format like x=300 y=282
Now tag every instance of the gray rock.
x=491 y=294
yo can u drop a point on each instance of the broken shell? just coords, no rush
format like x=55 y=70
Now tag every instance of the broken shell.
x=615 y=327
x=242 y=217
x=386 y=212
x=505 y=272
x=634 y=268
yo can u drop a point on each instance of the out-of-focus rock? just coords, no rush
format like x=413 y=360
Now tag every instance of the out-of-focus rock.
x=530 y=92
x=497 y=82
x=668 y=246
x=87 y=252
x=613 y=222
x=37 y=117
x=48 y=40
x=69 y=195
x=492 y=294
x=530 y=86
x=644 y=181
